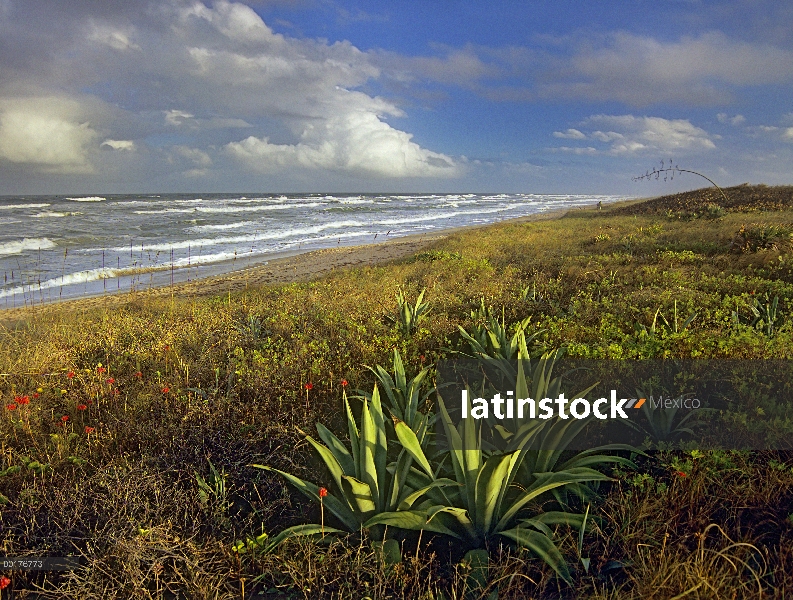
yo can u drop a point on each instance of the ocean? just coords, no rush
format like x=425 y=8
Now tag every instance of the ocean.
x=58 y=247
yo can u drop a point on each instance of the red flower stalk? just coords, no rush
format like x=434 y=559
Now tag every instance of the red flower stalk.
x=4 y=582
x=89 y=430
x=309 y=386
x=11 y=406
x=65 y=418
x=110 y=380
x=81 y=407
x=166 y=389
x=100 y=369
x=343 y=383
x=23 y=399
x=322 y=493
x=70 y=375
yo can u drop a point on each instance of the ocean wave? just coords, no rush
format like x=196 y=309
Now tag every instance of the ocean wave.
x=228 y=209
x=87 y=199
x=50 y=213
x=65 y=280
x=13 y=206
x=239 y=239
x=223 y=226
x=19 y=246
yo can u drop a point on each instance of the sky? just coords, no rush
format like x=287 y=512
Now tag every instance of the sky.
x=551 y=96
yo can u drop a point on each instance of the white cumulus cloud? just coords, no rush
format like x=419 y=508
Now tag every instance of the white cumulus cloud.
x=629 y=134
x=46 y=133
x=570 y=134
x=353 y=141
x=127 y=145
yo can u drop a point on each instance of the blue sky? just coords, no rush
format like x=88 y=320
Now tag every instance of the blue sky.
x=340 y=95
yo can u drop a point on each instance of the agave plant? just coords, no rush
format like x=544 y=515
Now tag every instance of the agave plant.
x=665 y=325
x=364 y=484
x=544 y=442
x=490 y=336
x=405 y=400
x=766 y=317
x=487 y=501
x=662 y=422
x=408 y=316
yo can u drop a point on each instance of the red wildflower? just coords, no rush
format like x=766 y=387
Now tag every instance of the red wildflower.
x=35 y=394
x=309 y=386
x=81 y=407
x=4 y=582
x=323 y=492
x=116 y=392
x=138 y=374
x=70 y=374
x=343 y=383
x=89 y=429
x=65 y=418
x=22 y=399
x=681 y=474
x=11 y=406
x=421 y=358
x=166 y=347
x=110 y=380
x=166 y=389
x=100 y=369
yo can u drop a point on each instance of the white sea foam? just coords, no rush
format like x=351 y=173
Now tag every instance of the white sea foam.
x=87 y=199
x=222 y=226
x=13 y=206
x=239 y=239
x=63 y=281
x=228 y=209
x=50 y=213
x=20 y=246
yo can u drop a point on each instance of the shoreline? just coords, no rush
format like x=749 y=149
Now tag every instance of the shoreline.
x=297 y=267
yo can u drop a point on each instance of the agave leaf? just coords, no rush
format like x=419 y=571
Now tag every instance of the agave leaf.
x=265 y=545
x=556 y=517
x=400 y=382
x=542 y=546
x=366 y=455
x=336 y=470
x=381 y=445
x=399 y=477
x=454 y=441
x=359 y=495
x=407 y=437
x=459 y=515
x=546 y=482
x=490 y=485
x=408 y=502
x=352 y=428
x=340 y=452
x=411 y=520
x=341 y=510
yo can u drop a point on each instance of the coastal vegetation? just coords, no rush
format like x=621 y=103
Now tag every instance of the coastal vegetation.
x=169 y=442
